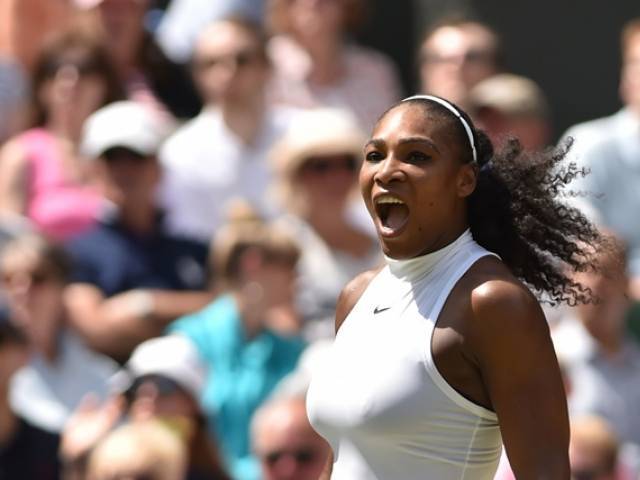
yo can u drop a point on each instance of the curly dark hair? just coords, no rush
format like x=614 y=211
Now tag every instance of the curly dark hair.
x=517 y=211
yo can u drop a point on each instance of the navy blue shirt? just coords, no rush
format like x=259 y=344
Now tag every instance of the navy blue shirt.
x=115 y=259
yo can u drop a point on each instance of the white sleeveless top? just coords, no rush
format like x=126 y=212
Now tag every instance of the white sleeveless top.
x=379 y=399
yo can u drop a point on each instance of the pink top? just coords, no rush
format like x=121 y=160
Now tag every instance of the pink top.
x=58 y=205
x=369 y=86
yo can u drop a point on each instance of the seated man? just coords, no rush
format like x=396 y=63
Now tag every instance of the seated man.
x=131 y=277
x=284 y=441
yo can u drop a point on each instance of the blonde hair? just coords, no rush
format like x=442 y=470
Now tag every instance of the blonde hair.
x=245 y=231
x=141 y=448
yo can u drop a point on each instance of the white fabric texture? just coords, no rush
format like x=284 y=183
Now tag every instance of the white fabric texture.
x=46 y=393
x=206 y=166
x=380 y=401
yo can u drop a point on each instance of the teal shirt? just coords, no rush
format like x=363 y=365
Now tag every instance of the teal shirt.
x=242 y=373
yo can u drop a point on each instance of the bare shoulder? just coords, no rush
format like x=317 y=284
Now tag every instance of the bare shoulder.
x=12 y=153
x=503 y=309
x=351 y=293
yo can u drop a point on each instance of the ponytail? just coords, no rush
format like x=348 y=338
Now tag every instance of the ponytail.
x=516 y=211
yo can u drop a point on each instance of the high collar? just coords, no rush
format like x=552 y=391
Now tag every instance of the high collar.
x=413 y=269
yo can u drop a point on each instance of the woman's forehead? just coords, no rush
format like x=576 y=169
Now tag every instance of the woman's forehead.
x=409 y=120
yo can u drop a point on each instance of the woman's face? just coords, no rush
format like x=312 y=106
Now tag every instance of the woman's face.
x=73 y=92
x=413 y=183
x=327 y=180
x=35 y=296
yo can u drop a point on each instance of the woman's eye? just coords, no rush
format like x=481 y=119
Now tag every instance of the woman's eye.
x=373 y=156
x=417 y=157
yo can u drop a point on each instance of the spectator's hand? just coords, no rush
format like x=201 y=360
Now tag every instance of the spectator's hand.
x=90 y=422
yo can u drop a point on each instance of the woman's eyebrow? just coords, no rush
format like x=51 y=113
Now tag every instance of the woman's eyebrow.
x=422 y=140
x=375 y=142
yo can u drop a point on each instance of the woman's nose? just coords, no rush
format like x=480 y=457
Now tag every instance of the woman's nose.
x=389 y=170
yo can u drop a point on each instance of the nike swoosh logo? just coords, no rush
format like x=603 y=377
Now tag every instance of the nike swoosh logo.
x=379 y=310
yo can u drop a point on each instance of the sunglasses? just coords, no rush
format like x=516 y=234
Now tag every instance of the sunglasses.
x=324 y=165
x=587 y=474
x=122 y=154
x=84 y=66
x=36 y=278
x=164 y=385
x=302 y=456
x=470 y=57
x=240 y=59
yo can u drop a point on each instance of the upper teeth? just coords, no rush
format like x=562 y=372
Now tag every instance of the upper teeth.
x=389 y=199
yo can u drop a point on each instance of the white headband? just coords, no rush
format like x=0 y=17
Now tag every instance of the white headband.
x=454 y=110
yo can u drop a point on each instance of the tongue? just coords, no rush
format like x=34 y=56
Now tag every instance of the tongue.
x=396 y=216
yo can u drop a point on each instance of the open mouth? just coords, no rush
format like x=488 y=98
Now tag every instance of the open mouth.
x=393 y=214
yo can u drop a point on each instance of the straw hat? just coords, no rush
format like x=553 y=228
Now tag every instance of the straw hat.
x=317 y=132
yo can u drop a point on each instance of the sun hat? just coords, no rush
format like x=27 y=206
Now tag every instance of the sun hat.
x=173 y=356
x=122 y=124
x=316 y=132
x=510 y=94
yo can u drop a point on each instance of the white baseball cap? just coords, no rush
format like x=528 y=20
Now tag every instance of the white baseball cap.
x=172 y=356
x=122 y=124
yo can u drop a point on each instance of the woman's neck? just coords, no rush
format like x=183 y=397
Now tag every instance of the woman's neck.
x=337 y=233
x=251 y=308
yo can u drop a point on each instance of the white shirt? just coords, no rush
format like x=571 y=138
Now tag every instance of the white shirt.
x=206 y=165
x=379 y=399
x=46 y=393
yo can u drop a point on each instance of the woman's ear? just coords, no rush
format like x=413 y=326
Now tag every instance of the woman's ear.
x=467 y=179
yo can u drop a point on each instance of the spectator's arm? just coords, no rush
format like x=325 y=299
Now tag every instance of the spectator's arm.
x=13 y=178
x=115 y=325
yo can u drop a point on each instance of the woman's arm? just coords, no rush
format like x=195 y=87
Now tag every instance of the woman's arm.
x=13 y=178
x=521 y=374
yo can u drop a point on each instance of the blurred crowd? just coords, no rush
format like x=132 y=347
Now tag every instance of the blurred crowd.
x=178 y=215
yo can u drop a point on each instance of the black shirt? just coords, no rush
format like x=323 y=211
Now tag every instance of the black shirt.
x=31 y=454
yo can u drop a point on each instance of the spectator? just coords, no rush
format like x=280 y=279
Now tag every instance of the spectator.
x=593 y=451
x=626 y=121
x=131 y=277
x=162 y=381
x=246 y=359
x=316 y=163
x=603 y=362
x=285 y=443
x=141 y=450
x=149 y=77
x=315 y=64
x=41 y=176
x=61 y=369
x=455 y=55
x=221 y=154
x=26 y=451
x=507 y=105
x=610 y=149
x=184 y=20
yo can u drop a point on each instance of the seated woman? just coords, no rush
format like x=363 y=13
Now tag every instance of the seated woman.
x=42 y=176
x=255 y=267
x=316 y=164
